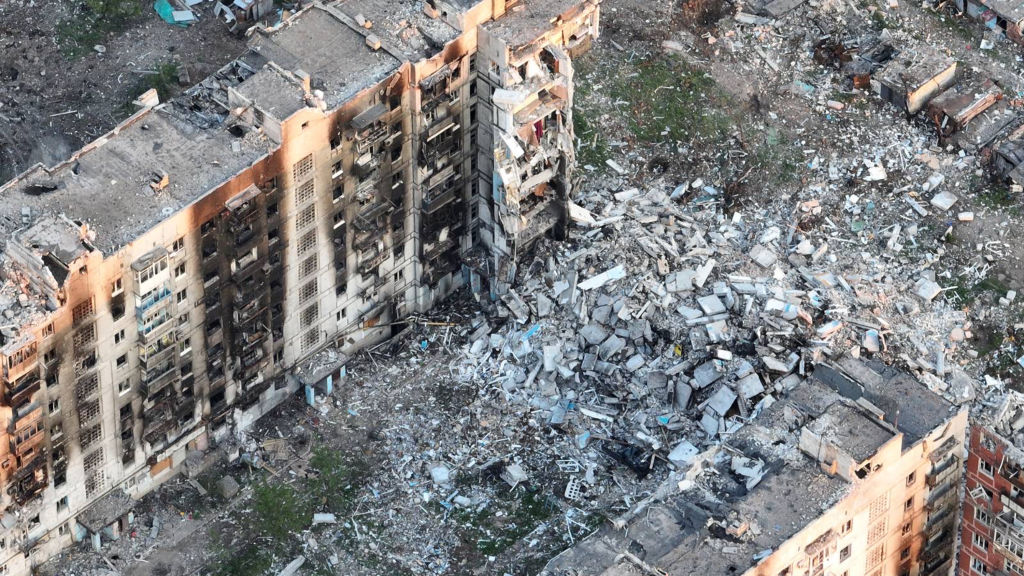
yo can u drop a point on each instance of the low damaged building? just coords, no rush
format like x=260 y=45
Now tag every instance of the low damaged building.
x=992 y=539
x=177 y=278
x=851 y=472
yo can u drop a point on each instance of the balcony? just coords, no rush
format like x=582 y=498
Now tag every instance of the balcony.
x=25 y=417
x=442 y=126
x=938 y=567
x=1008 y=531
x=943 y=470
x=20 y=362
x=439 y=248
x=27 y=442
x=29 y=481
x=151 y=271
x=372 y=262
x=157 y=327
x=366 y=220
x=154 y=354
x=939 y=521
x=546 y=103
x=365 y=164
x=244 y=237
x=943 y=450
x=249 y=339
x=248 y=312
x=21 y=391
x=366 y=189
x=156 y=433
x=242 y=265
x=157 y=381
x=243 y=203
x=252 y=358
x=145 y=305
x=435 y=202
x=943 y=497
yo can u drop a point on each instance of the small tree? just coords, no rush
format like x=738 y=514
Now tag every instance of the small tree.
x=280 y=511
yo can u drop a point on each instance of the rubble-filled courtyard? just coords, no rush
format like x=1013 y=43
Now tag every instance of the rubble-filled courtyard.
x=746 y=208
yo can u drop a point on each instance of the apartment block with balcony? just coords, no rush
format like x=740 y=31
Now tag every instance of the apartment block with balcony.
x=178 y=278
x=853 y=471
x=992 y=534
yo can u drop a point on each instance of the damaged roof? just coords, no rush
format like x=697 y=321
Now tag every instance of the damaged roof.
x=106 y=184
x=914 y=67
x=318 y=42
x=528 y=20
x=719 y=525
x=1007 y=420
x=1012 y=10
x=401 y=25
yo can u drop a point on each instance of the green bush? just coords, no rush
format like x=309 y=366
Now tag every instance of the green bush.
x=337 y=481
x=92 y=22
x=116 y=11
x=280 y=511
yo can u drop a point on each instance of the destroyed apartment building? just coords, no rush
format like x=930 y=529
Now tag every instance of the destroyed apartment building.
x=854 y=470
x=180 y=276
x=992 y=538
x=1003 y=16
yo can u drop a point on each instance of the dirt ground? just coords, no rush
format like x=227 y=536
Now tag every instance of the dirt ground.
x=52 y=102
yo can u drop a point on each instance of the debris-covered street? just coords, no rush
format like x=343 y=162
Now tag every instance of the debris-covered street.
x=748 y=206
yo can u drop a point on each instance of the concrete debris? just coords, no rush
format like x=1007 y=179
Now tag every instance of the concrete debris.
x=324 y=518
x=293 y=567
x=616 y=273
x=944 y=200
x=227 y=487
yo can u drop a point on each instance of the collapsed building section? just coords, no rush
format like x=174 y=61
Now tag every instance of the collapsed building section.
x=992 y=540
x=1003 y=16
x=176 y=279
x=849 y=471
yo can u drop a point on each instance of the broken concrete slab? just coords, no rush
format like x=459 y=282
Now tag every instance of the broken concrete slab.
x=594 y=334
x=293 y=567
x=927 y=290
x=683 y=392
x=611 y=347
x=440 y=474
x=683 y=454
x=514 y=475
x=711 y=305
x=944 y=200
x=227 y=487
x=610 y=275
x=749 y=386
x=705 y=375
x=764 y=257
x=722 y=400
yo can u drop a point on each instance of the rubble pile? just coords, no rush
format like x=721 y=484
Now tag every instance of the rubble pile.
x=684 y=303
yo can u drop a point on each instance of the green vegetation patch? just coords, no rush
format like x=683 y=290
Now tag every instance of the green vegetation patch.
x=337 y=481
x=91 y=22
x=281 y=511
x=491 y=534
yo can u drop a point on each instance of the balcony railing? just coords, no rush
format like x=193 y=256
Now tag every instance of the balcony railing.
x=154 y=384
x=21 y=391
x=161 y=295
x=945 y=448
x=943 y=470
x=157 y=327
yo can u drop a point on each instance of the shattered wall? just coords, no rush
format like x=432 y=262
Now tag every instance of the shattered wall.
x=355 y=205
x=992 y=537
